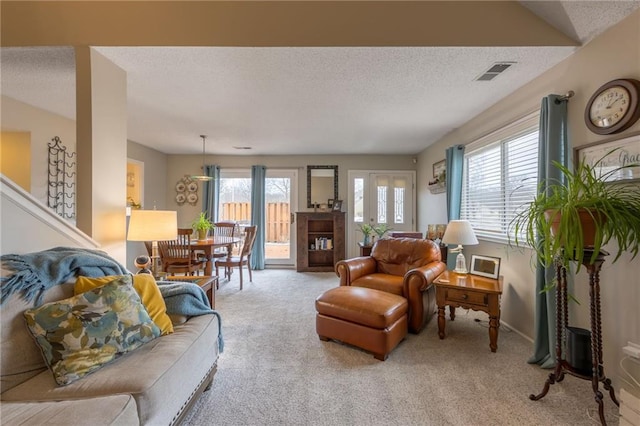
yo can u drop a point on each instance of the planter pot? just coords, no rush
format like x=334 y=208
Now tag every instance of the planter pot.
x=587 y=223
x=202 y=234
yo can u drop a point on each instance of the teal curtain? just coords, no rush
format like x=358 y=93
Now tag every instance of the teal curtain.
x=258 y=175
x=211 y=192
x=553 y=145
x=455 y=163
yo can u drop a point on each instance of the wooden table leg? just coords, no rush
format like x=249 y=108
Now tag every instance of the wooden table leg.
x=441 y=321
x=494 y=323
x=208 y=267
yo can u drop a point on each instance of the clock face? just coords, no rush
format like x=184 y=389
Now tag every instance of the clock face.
x=609 y=107
x=614 y=107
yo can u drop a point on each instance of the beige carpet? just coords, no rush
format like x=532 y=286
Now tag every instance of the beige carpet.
x=275 y=370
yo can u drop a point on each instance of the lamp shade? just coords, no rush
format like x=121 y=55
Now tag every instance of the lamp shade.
x=459 y=232
x=153 y=225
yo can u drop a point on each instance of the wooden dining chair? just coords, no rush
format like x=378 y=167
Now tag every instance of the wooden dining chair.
x=241 y=260
x=177 y=257
x=223 y=229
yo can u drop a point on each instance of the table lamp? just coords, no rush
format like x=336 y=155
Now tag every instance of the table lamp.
x=154 y=226
x=459 y=232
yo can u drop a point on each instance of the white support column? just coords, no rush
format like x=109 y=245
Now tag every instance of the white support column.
x=101 y=118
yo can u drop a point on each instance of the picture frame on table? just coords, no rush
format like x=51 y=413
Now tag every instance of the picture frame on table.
x=627 y=151
x=337 y=206
x=485 y=266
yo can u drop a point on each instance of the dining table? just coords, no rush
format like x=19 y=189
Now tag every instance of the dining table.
x=209 y=245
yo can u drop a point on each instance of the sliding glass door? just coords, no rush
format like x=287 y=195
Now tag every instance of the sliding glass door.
x=280 y=194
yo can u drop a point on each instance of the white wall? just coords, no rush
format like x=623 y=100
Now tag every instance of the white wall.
x=43 y=126
x=27 y=225
x=614 y=54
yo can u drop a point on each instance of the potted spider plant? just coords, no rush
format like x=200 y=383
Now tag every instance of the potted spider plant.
x=380 y=229
x=587 y=211
x=366 y=230
x=202 y=225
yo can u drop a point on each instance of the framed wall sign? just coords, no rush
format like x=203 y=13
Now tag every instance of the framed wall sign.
x=485 y=266
x=439 y=169
x=616 y=153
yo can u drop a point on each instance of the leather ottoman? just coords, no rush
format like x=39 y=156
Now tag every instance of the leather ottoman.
x=373 y=320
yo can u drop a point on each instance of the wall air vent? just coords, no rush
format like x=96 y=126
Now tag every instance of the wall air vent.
x=493 y=71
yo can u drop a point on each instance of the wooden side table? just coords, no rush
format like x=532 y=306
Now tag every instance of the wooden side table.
x=469 y=292
x=365 y=250
x=207 y=283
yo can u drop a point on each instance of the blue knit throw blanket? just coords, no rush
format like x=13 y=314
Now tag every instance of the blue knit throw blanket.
x=184 y=298
x=34 y=273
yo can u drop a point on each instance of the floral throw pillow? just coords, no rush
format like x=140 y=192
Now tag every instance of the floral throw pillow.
x=81 y=334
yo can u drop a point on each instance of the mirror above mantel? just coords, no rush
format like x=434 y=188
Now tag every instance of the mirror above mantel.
x=322 y=184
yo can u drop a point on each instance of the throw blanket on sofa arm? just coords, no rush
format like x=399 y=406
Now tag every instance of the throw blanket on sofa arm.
x=34 y=273
x=184 y=298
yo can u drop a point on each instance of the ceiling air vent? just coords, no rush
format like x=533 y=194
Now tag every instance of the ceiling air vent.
x=494 y=71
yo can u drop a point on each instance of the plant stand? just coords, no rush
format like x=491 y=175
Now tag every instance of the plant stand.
x=562 y=314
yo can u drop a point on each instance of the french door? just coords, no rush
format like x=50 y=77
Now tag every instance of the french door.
x=379 y=197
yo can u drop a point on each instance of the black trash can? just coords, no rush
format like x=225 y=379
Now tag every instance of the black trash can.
x=579 y=350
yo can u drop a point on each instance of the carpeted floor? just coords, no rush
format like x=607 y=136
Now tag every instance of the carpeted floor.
x=275 y=370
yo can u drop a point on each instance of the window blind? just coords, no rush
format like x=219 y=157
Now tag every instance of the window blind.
x=499 y=180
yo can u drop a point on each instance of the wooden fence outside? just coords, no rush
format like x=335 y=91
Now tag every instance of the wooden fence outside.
x=278 y=219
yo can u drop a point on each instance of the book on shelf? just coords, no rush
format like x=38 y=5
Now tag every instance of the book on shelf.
x=323 y=243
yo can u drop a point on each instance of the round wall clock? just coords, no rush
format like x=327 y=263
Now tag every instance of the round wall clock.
x=613 y=107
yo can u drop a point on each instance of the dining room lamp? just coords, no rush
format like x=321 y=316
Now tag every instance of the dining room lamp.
x=461 y=233
x=154 y=226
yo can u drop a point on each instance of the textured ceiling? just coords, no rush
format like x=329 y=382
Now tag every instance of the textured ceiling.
x=305 y=100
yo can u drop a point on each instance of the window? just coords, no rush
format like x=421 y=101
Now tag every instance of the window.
x=382 y=185
x=499 y=178
x=358 y=200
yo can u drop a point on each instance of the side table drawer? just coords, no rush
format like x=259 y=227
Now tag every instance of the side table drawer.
x=465 y=296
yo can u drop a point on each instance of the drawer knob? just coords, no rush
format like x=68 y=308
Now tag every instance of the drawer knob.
x=465 y=296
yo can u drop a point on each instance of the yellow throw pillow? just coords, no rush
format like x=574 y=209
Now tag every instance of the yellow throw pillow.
x=146 y=287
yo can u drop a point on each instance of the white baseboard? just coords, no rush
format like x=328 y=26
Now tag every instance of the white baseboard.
x=515 y=330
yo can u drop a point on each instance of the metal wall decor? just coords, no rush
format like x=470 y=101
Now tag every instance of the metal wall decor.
x=186 y=191
x=61 y=180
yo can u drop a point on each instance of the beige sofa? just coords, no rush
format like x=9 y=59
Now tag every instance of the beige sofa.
x=153 y=385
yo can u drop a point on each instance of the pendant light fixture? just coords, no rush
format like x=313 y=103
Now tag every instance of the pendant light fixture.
x=203 y=176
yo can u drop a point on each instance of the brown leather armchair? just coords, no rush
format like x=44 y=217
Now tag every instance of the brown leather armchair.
x=402 y=266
